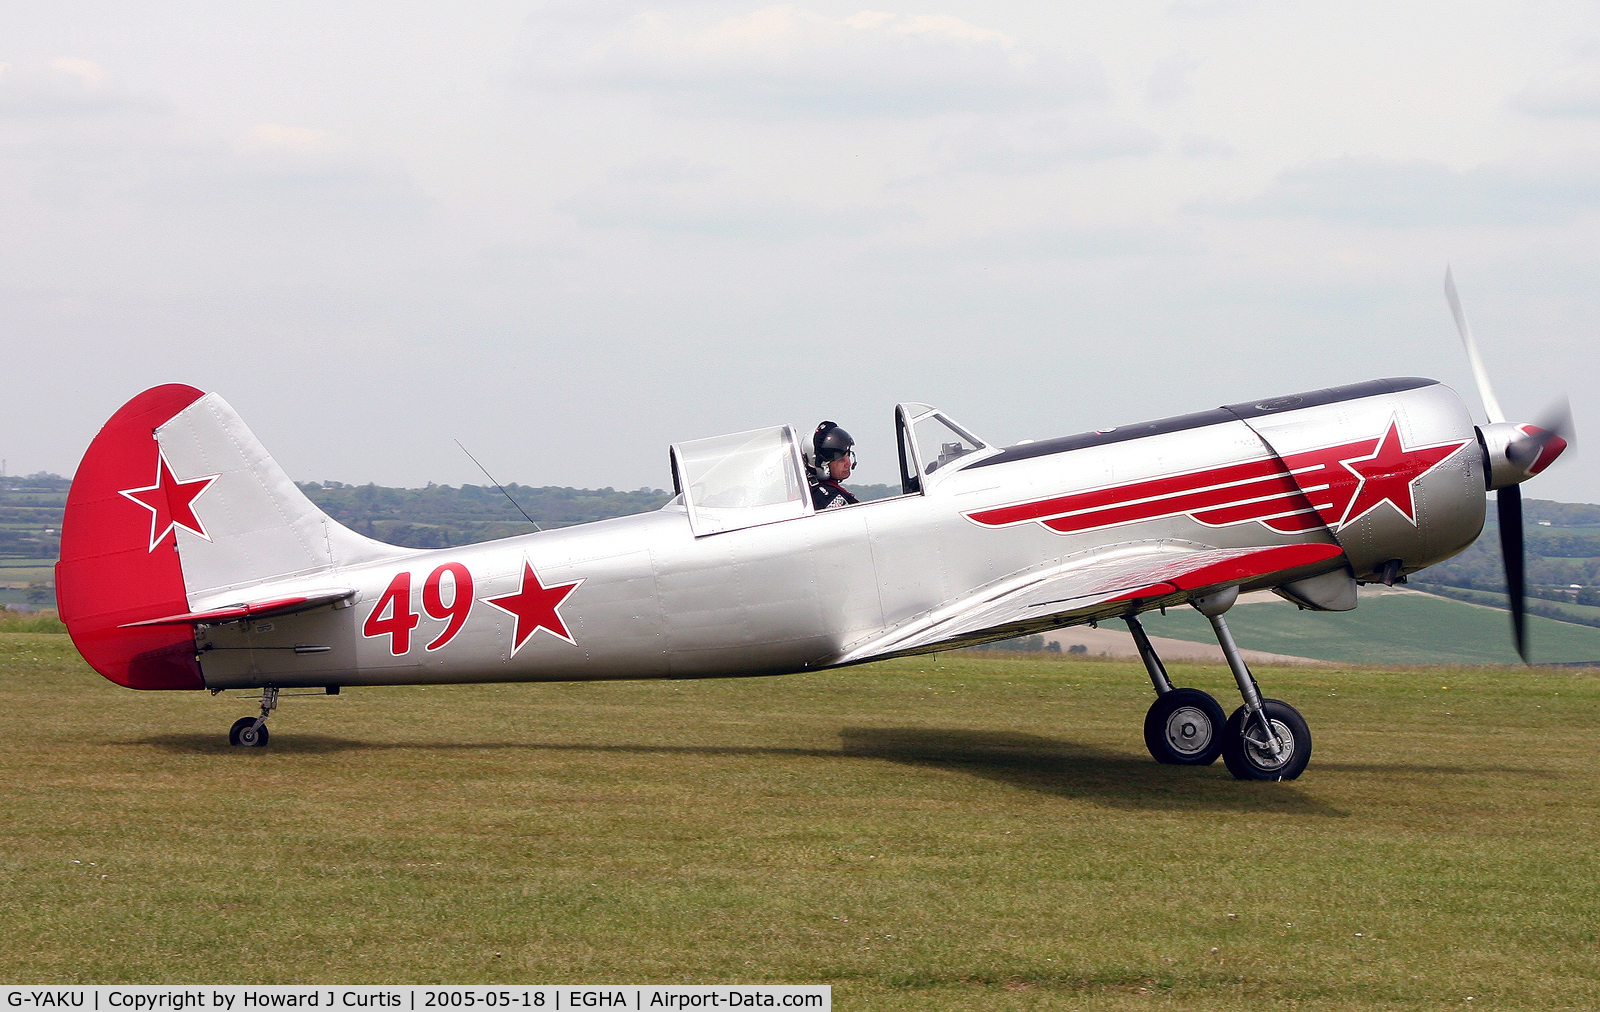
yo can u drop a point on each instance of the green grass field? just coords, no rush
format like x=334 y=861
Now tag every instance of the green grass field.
x=1394 y=629
x=960 y=831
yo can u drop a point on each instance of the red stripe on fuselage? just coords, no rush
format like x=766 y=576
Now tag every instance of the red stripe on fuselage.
x=1267 y=490
x=1263 y=497
x=1134 y=492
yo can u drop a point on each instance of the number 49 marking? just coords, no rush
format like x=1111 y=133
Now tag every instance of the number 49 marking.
x=393 y=616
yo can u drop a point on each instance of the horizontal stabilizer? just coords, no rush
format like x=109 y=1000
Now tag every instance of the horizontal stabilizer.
x=253 y=609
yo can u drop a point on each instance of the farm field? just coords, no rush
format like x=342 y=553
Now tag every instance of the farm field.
x=1402 y=627
x=957 y=831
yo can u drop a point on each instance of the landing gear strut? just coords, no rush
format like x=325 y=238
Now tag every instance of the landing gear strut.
x=251 y=732
x=1184 y=727
x=1265 y=739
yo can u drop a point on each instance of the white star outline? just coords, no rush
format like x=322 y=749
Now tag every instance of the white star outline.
x=165 y=467
x=1411 y=491
x=555 y=610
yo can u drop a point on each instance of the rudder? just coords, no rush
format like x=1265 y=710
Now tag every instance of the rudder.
x=113 y=568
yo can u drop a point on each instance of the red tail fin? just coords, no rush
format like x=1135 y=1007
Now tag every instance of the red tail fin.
x=119 y=553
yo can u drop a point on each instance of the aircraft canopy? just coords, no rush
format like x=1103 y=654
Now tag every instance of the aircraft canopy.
x=741 y=480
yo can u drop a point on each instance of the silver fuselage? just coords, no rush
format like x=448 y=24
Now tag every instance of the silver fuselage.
x=646 y=597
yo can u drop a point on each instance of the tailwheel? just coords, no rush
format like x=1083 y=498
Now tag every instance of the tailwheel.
x=1184 y=727
x=1252 y=754
x=245 y=732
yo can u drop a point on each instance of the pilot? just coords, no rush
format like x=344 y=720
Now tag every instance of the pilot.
x=835 y=460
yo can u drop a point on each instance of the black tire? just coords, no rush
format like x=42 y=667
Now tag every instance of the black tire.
x=1184 y=728
x=244 y=732
x=1252 y=759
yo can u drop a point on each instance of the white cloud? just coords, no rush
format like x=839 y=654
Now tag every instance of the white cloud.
x=65 y=87
x=1046 y=244
x=91 y=72
x=687 y=199
x=277 y=136
x=1172 y=80
x=1573 y=90
x=79 y=138
x=1204 y=146
x=1429 y=193
x=1039 y=143
x=785 y=61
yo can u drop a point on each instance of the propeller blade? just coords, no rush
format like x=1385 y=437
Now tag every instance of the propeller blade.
x=1557 y=419
x=1508 y=506
x=1491 y=406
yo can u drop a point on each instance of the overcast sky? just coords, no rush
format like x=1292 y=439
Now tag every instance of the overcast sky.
x=568 y=234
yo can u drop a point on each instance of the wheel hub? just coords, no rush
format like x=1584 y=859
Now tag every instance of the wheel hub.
x=1189 y=731
x=1261 y=752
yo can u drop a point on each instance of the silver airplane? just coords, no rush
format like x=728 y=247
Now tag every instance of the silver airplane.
x=190 y=560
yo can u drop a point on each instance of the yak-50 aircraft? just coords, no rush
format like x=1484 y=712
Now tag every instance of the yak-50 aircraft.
x=189 y=559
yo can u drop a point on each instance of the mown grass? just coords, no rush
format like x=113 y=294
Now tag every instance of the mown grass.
x=959 y=831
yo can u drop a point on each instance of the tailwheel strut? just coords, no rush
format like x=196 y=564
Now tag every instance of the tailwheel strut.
x=1265 y=739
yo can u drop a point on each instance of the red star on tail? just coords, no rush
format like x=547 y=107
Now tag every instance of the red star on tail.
x=171 y=502
x=1387 y=475
x=535 y=607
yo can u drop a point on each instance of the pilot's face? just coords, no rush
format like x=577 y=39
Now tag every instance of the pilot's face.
x=839 y=469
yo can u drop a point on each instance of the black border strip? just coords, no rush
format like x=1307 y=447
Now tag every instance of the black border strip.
x=1200 y=419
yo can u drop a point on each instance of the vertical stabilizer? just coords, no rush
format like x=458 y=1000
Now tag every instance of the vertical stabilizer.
x=258 y=526
x=177 y=508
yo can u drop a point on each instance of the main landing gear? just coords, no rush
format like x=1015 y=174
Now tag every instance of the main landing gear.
x=1265 y=739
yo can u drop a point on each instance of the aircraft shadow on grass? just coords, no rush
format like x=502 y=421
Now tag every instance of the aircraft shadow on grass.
x=1072 y=769
x=1052 y=766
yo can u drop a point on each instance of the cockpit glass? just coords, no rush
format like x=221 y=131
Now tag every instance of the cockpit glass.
x=940 y=442
x=739 y=471
x=741 y=480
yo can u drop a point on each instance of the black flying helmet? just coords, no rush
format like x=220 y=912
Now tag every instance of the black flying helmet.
x=830 y=442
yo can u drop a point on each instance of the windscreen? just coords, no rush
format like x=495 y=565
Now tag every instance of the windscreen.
x=940 y=442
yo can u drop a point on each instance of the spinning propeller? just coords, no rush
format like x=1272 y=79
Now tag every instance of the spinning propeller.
x=1513 y=453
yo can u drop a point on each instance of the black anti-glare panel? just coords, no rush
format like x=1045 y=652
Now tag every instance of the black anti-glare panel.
x=1199 y=419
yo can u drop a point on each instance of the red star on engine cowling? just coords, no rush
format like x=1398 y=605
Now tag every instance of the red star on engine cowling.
x=535 y=607
x=171 y=502
x=1387 y=475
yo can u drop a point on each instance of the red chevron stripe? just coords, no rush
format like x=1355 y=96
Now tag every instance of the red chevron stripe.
x=1329 y=485
x=1115 y=495
x=1264 y=497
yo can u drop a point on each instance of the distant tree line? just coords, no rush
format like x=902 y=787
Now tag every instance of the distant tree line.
x=1535 y=607
x=30 y=515
x=1558 y=557
x=440 y=516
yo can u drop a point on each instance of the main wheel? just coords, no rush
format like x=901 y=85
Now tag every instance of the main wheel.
x=1250 y=755
x=1184 y=728
x=244 y=732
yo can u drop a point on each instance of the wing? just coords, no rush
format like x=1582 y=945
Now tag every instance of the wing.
x=1082 y=589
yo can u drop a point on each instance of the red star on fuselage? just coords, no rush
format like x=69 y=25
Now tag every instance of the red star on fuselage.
x=1387 y=475
x=171 y=502
x=535 y=607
